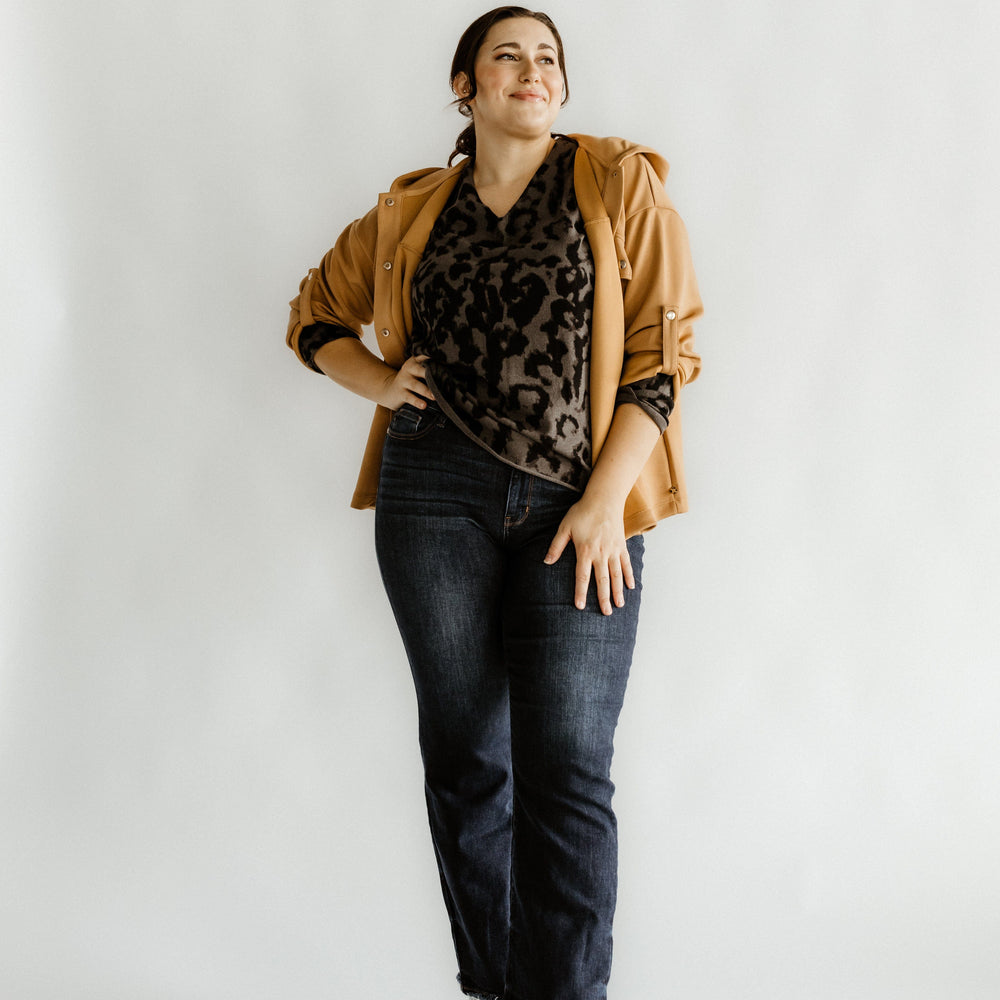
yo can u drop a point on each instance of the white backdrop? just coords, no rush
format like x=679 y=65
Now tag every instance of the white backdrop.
x=209 y=783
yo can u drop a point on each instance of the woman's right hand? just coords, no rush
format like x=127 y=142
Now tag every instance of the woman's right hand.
x=406 y=386
x=349 y=363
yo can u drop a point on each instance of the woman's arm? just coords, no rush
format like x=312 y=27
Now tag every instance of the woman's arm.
x=595 y=522
x=340 y=293
x=660 y=303
x=349 y=363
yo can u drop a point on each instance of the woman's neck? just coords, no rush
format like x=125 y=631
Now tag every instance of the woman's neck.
x=508 y=162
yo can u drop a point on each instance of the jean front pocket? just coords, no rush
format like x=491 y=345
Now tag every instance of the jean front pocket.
x=409 y=422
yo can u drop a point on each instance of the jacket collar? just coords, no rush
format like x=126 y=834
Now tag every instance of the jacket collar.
x=609 y=152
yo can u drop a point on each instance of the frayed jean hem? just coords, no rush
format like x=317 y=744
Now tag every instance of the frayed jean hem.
x=475 y=994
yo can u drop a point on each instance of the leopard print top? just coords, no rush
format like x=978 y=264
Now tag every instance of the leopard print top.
x=502 y=307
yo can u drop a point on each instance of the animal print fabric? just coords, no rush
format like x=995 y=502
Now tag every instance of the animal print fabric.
x=502 y=307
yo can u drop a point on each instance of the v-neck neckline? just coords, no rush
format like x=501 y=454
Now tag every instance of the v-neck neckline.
x=493 y=217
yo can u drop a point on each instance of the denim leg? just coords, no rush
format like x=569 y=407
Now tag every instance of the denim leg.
x=518 y=696
x=443 y=575
x=568 y=671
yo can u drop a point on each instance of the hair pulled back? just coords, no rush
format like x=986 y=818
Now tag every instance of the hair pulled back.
x=465 y=62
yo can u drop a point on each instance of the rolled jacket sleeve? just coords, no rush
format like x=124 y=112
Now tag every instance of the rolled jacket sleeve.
x=339 y=294
x=313 y=337
x=655 y=396
x=661 y=297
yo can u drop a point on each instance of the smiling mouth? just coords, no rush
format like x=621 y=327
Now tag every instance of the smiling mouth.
x=524 y=95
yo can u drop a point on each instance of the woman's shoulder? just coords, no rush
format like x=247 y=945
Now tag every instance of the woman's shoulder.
x=629 y=175
x=609 y=152
x=424 y=179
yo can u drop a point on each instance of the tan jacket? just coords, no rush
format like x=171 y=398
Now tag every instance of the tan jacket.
x=645 y=297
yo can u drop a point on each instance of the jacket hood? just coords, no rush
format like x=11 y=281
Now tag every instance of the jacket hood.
x=611 y=151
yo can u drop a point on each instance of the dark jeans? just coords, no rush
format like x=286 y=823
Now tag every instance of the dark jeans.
x=518 y=694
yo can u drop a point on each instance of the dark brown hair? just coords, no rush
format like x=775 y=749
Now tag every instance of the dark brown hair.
x=465 y=62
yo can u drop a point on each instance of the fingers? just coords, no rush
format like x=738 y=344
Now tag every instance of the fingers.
x=599 y=554
x=611 y=578
x=583 y=570
x=410 y=382
x=609 y=586
x=558 y=546
x=415 y=399
x=617 y=583
x=626 y=567
x=583 y=584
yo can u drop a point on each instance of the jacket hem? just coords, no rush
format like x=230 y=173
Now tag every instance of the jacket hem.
x=640 y=521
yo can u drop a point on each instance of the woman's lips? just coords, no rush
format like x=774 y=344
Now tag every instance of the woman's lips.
x=527 y=95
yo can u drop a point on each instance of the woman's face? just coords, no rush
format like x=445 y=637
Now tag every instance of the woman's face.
x=519 y=84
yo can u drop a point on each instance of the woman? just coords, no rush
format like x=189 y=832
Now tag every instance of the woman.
x=533 y=308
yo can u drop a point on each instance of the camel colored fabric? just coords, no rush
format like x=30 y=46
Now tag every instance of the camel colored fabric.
x=645 y=298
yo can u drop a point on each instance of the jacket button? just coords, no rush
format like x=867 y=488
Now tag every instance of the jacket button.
x=673 y=489
x=385 y=333
x=623 y=264
x=390 y=202
x=671 y=314
x=388 y=265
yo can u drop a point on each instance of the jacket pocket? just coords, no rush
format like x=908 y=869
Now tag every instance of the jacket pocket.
x=671 y=340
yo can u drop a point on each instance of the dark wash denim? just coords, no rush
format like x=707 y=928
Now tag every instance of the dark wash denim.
x=518 y=695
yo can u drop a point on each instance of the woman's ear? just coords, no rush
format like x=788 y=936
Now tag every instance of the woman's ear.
x=460 y=84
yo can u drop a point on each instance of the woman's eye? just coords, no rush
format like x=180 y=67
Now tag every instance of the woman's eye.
x=513 y=55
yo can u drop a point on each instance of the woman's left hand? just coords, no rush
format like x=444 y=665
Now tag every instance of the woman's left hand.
x=596 y=530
